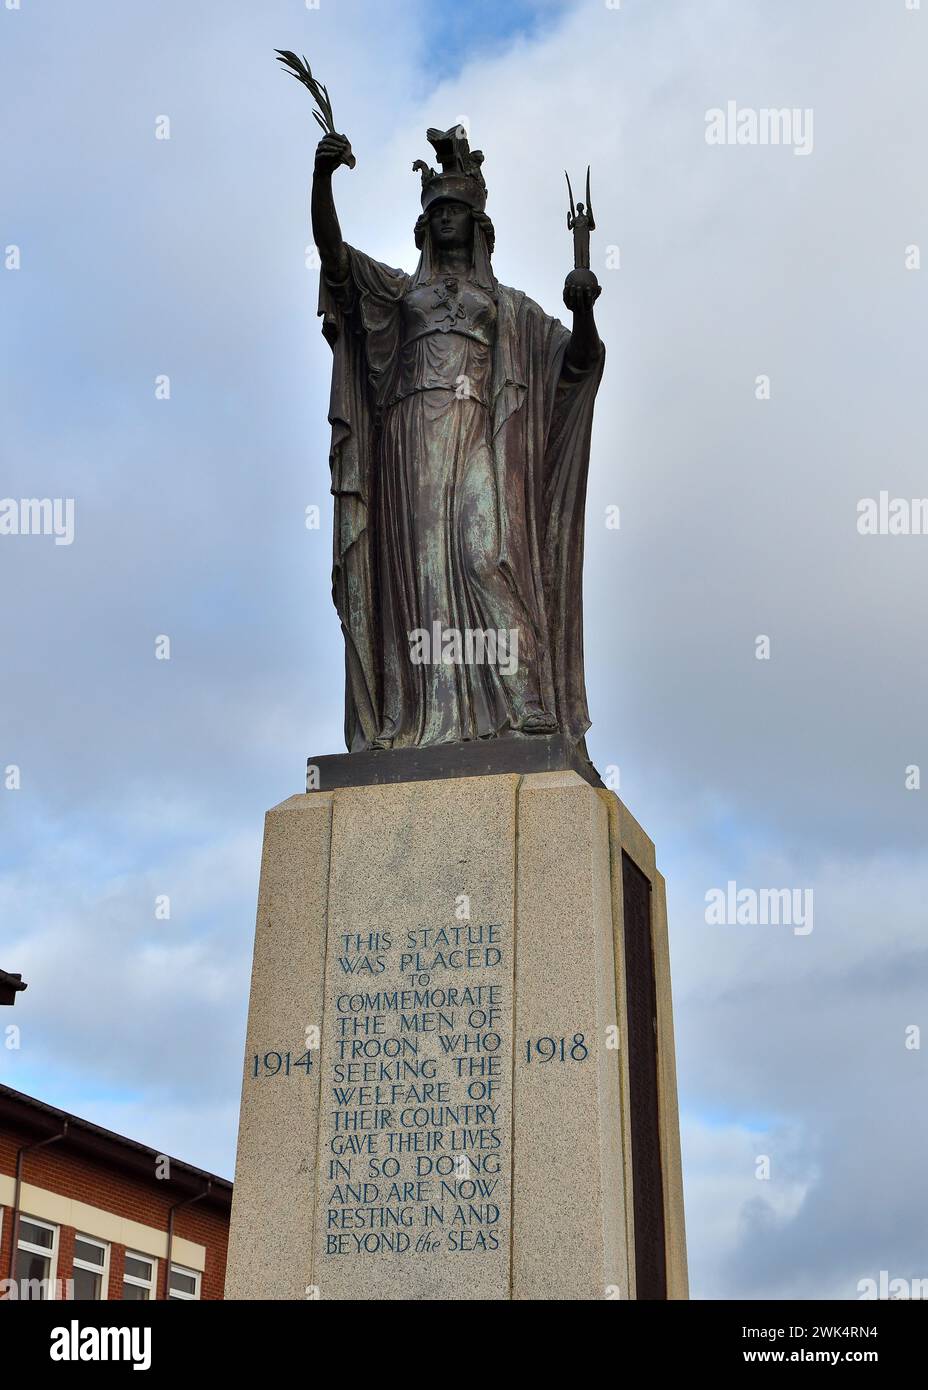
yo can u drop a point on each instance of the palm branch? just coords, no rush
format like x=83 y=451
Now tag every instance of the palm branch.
x=300 y=69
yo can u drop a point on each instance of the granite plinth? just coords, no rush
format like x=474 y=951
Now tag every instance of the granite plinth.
x=437 y=1101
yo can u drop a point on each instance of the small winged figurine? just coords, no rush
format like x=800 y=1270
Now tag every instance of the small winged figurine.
x=580 y=222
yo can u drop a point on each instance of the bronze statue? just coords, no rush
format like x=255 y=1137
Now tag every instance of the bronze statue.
x=461 y=416
x=580 y=222
x=10 y=985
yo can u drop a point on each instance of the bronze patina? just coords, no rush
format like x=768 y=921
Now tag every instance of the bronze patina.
x=461 y=416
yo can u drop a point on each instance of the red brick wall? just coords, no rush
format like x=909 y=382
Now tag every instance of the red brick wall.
x=58 y=1169
x=66 y=1236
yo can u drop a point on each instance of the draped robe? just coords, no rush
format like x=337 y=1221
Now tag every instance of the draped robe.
x=455 y=510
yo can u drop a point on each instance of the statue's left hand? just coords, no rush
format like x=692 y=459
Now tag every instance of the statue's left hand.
x=581 y=290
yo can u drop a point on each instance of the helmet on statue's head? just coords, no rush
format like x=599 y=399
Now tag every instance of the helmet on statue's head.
x=461 y=178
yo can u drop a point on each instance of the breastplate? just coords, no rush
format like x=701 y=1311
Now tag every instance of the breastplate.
x=449 y=304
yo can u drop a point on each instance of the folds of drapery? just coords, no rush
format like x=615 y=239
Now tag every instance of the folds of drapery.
x=542 y=415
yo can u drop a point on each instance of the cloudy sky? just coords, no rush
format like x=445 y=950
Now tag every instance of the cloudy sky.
x=141 y=257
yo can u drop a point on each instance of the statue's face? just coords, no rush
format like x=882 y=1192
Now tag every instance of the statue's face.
x=452 y=224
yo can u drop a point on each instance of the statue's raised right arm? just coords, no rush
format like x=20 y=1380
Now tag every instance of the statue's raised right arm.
x=327 y=234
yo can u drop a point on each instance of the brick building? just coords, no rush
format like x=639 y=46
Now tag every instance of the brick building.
x=85 y=1213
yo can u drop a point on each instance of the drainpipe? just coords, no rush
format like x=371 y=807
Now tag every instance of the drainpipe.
x=178 y=1206
x=20 y=1157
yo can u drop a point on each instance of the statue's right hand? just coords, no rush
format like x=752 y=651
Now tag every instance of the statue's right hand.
x=331 y=151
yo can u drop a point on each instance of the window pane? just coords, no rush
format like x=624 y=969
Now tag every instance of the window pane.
x=86 y=1284
x=139 y=1269
x=36 y=1235
x=183 y=1283
x=32 y=1275
x=90 y=1254
x=132 y=1292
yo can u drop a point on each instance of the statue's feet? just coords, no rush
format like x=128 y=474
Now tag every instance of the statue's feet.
x=538 y=721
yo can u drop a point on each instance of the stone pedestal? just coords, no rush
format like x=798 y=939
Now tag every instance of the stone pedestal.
x=453 y=1087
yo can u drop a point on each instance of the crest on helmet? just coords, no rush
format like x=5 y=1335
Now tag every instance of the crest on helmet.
x=460 y=177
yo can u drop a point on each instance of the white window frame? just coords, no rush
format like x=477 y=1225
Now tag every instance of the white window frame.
x=49 y=1253
x=133 y=1279
x=193 y=1274
x=103 y=1270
